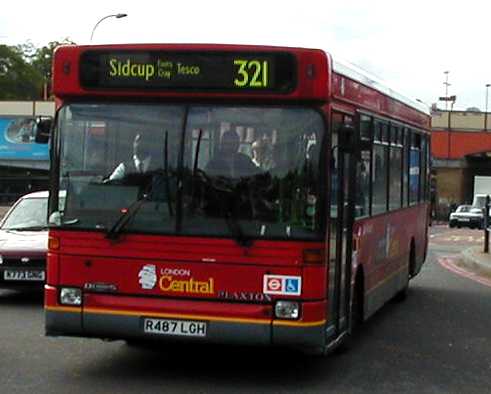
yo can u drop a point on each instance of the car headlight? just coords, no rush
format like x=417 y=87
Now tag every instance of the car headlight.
x=70 y=296
x=1 y=259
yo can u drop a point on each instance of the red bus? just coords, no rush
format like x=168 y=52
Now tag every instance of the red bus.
x=229 y=194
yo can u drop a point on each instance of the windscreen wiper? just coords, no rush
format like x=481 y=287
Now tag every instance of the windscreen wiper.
x=166 y=172
x=29 y=228
x=126 y=215
x=234 y=225
x=236 y=230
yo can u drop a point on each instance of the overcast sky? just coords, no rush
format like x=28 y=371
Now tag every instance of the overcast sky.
x=409 y=44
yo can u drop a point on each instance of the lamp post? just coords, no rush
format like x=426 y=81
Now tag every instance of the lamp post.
x=117 y=16
x=486 y=106
x=446 y=87
x=426 y=104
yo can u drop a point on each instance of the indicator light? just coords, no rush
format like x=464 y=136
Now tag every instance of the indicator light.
x=53 y=243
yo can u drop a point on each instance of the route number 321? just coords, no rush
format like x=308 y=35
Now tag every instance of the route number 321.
x=251 y=73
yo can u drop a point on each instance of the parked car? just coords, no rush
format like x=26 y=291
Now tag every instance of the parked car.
x=466 y=216
x=24 y=242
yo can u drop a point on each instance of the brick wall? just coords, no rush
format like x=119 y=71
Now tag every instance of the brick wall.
x=3 y=210
x=450 y=189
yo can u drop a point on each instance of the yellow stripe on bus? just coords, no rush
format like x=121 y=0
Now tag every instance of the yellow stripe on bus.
x=63 y=309
x=298 y=323
x=174 y=316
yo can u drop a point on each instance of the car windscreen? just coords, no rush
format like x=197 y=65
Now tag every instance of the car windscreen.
x=28 y=213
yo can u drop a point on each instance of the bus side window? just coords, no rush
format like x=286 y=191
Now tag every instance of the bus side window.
x=405 y=167
x=414 y=168
x=379 y=170
x=395 y=169
x=362 y=199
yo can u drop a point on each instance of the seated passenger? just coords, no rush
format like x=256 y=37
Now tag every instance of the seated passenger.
x=262 y=154
x=228 y=161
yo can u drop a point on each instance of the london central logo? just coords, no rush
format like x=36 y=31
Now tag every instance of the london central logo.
x=148 y=276
x=174 y=280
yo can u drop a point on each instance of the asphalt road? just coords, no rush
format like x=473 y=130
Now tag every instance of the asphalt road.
x=437 y=341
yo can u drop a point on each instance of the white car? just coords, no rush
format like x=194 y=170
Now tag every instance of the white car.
x=466 y=216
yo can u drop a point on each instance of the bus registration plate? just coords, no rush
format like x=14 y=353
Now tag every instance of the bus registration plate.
x=174 y=327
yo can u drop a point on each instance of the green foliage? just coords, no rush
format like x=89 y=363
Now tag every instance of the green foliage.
x=25 y=69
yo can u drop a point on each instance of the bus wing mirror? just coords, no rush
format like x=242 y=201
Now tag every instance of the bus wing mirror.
x=347 y=138
x=43 y=129
x=349 y=141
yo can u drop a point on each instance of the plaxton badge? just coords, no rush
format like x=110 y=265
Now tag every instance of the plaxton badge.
x=244 y=296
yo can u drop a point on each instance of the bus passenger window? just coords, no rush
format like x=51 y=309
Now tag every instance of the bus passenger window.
x=362 y=196
x=379 y=179
x=395 y=169
x=414 y=168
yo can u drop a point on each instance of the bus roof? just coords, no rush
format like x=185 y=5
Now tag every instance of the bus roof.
x=357 y=74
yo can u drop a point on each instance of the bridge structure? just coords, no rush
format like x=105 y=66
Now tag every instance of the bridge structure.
x=461 y=150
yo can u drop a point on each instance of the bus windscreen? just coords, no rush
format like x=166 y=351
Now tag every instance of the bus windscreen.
x=273 y=72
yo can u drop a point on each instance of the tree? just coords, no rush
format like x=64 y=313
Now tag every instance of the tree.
x=25 y=71
x=42 y=60
x=18 y=79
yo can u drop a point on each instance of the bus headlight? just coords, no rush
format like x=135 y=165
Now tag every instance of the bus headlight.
x=287 y=310
x=70 y=296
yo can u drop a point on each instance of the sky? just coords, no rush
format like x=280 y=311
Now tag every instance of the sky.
x=407 y=44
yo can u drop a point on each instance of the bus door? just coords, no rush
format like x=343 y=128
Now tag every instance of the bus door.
x=341 y=225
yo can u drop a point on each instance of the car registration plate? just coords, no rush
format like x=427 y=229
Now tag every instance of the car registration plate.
x=465 y=220
x=31 y=275
x=174 y=327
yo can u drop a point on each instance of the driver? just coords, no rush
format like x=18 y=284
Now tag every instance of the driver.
x=139 y=163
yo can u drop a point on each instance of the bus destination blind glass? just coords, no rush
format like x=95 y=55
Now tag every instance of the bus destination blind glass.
x=213 y=71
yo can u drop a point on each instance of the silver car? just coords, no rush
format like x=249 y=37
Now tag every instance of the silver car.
x=466 y=216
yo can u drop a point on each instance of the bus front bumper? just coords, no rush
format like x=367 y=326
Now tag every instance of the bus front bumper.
x=124 y=317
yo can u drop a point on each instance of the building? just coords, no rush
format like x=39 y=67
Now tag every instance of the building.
x=24 y=165
x=461 y=149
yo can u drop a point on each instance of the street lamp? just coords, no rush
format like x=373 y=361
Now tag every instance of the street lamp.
x=117 y=16
x=486 y=106
x=446 y=87
x=422 y=102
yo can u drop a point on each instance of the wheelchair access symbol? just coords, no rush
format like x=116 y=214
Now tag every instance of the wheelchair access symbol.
x=282 y=285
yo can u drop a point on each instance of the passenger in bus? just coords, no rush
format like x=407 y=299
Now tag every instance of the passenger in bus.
x=228 y=161
x=262 y=155
x=139 y=163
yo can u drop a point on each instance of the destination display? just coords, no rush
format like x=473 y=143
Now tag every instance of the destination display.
x=197 y=71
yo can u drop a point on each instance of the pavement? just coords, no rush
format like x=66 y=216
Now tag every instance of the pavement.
x=469 y=245
x=475 y=260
